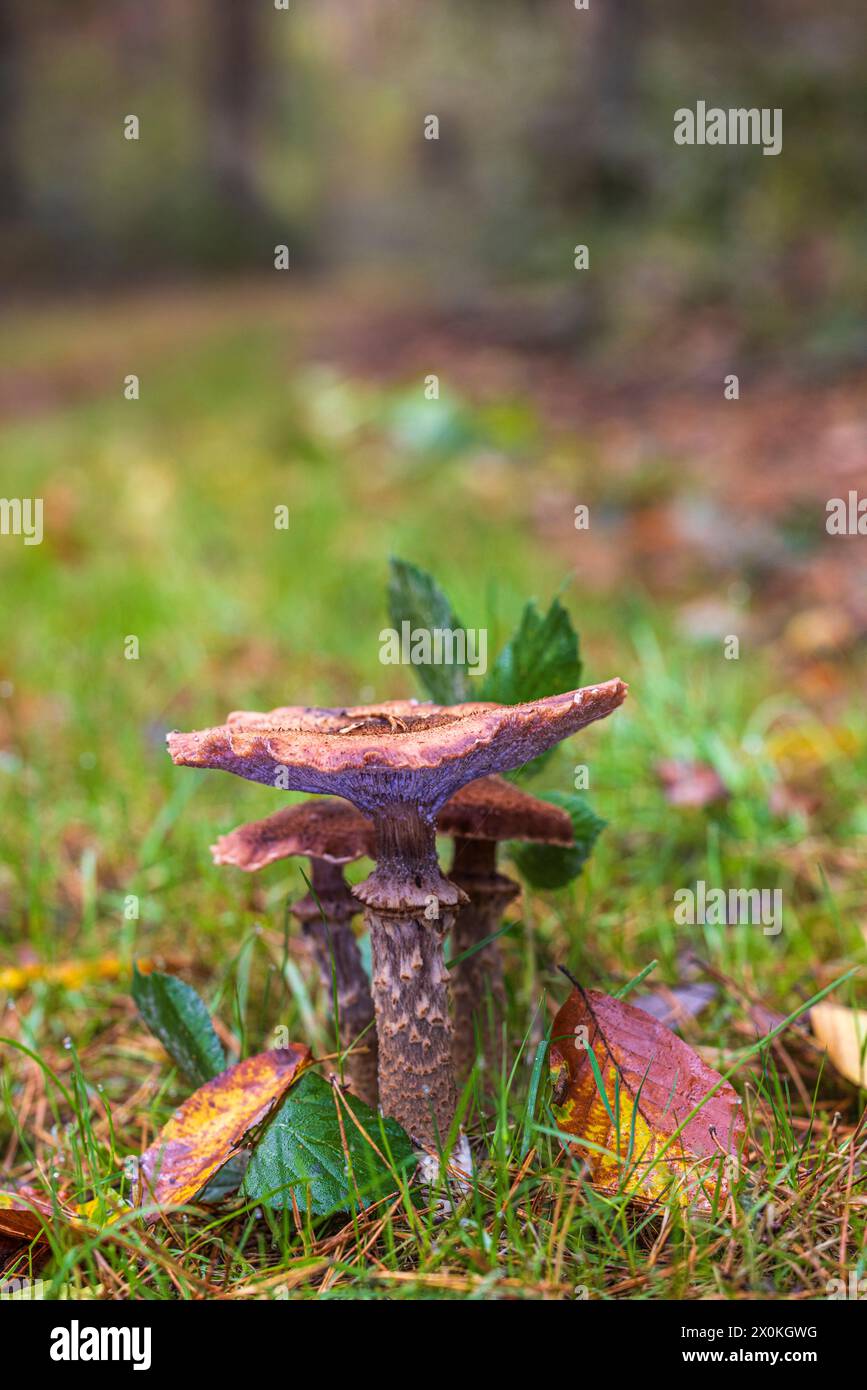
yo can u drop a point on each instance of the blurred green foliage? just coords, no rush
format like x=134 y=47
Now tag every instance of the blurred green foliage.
x=306 y=127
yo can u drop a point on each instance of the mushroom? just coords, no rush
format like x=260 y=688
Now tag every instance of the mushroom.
x=329 y=834
x=478 y=818
x=332 y=833
x=399 y=762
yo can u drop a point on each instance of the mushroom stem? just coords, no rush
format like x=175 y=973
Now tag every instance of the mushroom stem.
x=325 y=916
x=410 y=907
x=478 y=989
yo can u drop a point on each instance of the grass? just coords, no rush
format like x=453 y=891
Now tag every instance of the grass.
x=159 y=525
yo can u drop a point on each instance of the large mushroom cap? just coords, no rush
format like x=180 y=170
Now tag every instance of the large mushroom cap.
x=493 y=809
x=321 y=829
x=398 y=751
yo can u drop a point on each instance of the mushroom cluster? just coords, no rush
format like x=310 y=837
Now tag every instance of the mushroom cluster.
x=399 y=763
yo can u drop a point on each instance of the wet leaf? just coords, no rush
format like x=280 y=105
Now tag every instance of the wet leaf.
x=208 y=1129
x=843 y=1032
x=415 y=597
x=625 y=1086
x=303 y=1151
x=177 y=1016
x=552 y=866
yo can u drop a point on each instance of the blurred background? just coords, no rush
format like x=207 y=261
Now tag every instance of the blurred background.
x=305 y=389
x=306 y=126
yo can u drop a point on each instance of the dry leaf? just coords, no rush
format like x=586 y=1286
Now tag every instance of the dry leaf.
x=652 y=1081
x=843 y=1032
x=208 y=1128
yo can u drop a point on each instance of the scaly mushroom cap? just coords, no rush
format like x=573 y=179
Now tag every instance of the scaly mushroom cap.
x=493 y=809
x=398 y=751
x=322 y=829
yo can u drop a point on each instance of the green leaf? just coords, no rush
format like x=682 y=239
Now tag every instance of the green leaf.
x=415 y=597
x=177 y=1016
x=302 y=1150
x=553 y=866
x=541 y=659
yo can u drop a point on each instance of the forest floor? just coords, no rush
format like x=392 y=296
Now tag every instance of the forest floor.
x=707 y=521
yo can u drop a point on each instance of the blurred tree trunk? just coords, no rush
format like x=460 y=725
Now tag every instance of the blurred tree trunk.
x=234 y=84
x=12 y=192
x=618 y=51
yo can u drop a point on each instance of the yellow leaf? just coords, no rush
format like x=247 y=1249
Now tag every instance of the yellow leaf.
x=843 y=1032
x=112 y=1209
x=208 y=1128
x=634 y=1132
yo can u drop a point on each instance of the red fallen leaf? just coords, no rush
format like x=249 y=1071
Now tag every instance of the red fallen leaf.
x=638 y=1137
x=208 y=1128
x=690 y=784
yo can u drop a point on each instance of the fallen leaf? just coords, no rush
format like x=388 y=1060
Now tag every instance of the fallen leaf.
x=690 y=784
x=208 y=1128
x=25 y=1220
x=843 y=1032
x=650 y=1083
x=313 y=1149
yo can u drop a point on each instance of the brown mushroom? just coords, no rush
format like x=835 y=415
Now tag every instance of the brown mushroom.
x=477 y=818
x=329 y=834
x=399 y=762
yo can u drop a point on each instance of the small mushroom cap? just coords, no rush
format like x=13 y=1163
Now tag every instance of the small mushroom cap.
x=398 y=751
x=330 y=829
x=493 y=809
x=323 y=829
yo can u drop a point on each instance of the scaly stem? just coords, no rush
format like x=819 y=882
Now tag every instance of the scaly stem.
x=327 y=927
x=410 y=907
x=478 y=989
